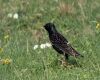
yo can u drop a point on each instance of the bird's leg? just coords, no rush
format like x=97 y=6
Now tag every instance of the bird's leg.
x=64 y=61
x=66 y=56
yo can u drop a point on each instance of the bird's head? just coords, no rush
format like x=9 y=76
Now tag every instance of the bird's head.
x=50 y=27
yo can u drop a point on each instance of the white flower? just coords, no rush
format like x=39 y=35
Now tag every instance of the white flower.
x=48 y=44
x=42 y=46
x=35 y=47
x=15 y=16
x=10 y=15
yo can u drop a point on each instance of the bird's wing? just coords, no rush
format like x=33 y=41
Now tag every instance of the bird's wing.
x=58 y=38
x=71 y=50
x=67 y=48
x=62 y=44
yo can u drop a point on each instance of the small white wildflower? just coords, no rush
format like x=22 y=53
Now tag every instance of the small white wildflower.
x=48 y=44
x=42 y=46
x=15 y=16
x=35 y=47
x=10 y=15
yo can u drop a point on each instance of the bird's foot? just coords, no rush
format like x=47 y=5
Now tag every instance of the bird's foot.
x=63 y=63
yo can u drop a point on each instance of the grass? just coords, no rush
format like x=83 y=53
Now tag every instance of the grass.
x=75 y=19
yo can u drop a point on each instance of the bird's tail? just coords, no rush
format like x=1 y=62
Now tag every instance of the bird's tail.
x=75 y=53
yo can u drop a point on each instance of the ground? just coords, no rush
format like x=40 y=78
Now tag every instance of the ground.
x=76 y=19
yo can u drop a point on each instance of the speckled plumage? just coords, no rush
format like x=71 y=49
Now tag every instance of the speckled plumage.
x=59 y=43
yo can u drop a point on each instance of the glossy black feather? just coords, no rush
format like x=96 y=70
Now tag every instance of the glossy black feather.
x=59 y=43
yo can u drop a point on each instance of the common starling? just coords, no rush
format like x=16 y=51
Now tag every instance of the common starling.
x=59 y=43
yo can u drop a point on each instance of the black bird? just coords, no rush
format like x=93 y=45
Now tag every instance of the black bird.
x=59 y=43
